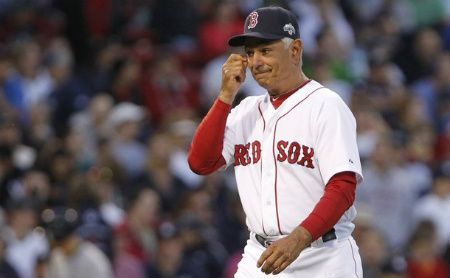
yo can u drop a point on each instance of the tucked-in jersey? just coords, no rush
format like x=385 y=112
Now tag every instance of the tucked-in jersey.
x=284 y=157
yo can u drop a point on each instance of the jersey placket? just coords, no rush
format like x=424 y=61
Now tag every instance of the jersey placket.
x=268 y=177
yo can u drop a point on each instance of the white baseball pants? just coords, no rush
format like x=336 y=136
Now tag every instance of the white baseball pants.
x=336 y=258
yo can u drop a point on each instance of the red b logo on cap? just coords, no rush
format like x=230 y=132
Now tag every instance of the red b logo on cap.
x=252 y=20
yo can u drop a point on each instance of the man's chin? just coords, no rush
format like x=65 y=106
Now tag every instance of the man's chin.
x=262 y=82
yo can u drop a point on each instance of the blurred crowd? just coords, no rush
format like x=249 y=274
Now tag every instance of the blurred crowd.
x=99 y=100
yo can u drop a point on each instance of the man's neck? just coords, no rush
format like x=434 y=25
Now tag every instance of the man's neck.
x=289 y=86
x=277 y=101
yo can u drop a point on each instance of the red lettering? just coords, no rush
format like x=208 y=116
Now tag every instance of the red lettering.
x=239 y=155
x=281 y=146
x=291 y=152
x=256 y=151
x=294 y=152
x=308 y=153
x=248 y=159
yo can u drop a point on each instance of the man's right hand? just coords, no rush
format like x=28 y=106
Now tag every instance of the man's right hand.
x=233 y=75
x=281 y=253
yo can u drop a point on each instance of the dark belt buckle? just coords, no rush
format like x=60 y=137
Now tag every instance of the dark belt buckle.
x=263 y=241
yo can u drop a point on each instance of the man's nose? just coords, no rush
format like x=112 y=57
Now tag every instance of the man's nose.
x=256 y=60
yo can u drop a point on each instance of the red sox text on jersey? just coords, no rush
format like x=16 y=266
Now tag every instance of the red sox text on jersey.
x=292 y=152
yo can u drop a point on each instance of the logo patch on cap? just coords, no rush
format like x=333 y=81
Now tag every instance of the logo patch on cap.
x=253 y=20
x=289 y=28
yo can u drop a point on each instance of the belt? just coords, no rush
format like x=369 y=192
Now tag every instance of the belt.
x=330 y=235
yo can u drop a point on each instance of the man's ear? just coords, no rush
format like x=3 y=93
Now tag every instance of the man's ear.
x=297 y=49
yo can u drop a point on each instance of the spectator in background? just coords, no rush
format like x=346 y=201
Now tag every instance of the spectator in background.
x=6 y=269
x=370 y=127
x=166 y=88
x=15 y=183
x=92 y=123
x=106 y=166
x=395 y=267
x=182 y=130
x=158 y=174
x=124 y=83
x=169 y=257
x=434 y=92
x=39 y=127
x=417 y=55
x=11 y=136
x=233 y=232
x=91 y=225
x=383 y=90
x=94 y=229
x=126 y=120
x=374 y=252
x=412 y=115
x=71 y=256
x=202 y=257
x=315 y=16
x=423 y=258
x=322 y=72
x=105 y=64
x=213 y=34
x=389 y=190
x=102 y=184
x=135 y=239
x=333 y=56
x=73 y=143
x=61 y=168
x=70 y=94
x=34 y=83
x=435 y=207
x=25 y=243
x=196 y=218
x=35 y=184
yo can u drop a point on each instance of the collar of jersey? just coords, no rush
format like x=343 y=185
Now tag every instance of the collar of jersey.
x=276 y=102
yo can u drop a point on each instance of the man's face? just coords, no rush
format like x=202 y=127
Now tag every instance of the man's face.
x=269 y=62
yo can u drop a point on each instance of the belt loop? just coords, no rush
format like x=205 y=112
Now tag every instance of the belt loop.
x=328 y=236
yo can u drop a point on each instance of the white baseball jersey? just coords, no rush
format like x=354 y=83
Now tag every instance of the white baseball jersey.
x=284 y=157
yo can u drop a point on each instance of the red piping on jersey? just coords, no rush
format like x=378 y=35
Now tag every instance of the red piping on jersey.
x=353 y=256
x=275 y=160
x=260 y=165
x=262 y=116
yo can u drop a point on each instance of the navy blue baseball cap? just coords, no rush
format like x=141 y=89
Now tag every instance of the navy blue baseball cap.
x=268 y=23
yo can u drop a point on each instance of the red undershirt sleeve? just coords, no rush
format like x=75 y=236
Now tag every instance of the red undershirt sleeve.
x=338 y=197
x=205 y=154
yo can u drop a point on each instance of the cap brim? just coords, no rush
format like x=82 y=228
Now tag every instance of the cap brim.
x=239 y=40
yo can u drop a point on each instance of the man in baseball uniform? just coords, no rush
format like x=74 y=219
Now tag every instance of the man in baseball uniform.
x=294 y=153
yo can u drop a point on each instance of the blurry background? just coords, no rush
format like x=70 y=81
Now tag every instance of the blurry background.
x=99 y=100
